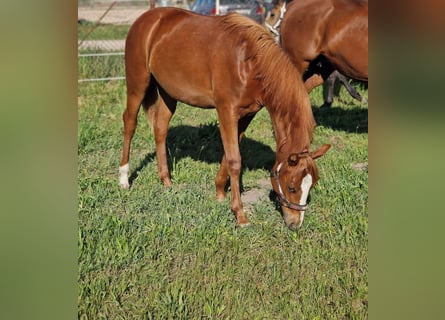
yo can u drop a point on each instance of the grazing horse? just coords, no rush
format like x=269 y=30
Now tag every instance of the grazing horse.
x=236 y=67
x=273 y=24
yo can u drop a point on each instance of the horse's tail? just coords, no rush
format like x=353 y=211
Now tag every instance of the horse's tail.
x=152 y=4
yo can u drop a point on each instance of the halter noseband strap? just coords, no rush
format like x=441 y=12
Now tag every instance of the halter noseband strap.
x=281 y=196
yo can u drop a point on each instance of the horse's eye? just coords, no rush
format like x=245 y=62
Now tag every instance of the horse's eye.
x=292 y=189
x=272 y=15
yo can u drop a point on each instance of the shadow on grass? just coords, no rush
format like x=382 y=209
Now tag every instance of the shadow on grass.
x=353 y=120
x=204 y=143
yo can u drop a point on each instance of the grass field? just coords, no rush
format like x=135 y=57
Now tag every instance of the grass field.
x=175 y=253
x=101 y=31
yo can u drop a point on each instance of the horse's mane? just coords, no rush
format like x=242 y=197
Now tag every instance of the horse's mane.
x=284 y=90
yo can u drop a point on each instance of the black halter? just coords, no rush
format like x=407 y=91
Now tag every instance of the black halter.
x=280 y=194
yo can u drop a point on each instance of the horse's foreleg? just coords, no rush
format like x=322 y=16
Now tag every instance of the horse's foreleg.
x=221 y=179
x=130 y=121
x=221 y=176
x=163 y=113
x=229 y=135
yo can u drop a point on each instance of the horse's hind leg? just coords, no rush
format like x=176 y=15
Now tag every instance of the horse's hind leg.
x=330 y=83
x=159 y=115
x=350 y=88
x=135 y=95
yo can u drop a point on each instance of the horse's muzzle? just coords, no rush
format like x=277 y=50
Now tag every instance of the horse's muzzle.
x=293 y=218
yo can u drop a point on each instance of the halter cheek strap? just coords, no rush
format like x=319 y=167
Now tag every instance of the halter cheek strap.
x=274 y=29
x=281 y=196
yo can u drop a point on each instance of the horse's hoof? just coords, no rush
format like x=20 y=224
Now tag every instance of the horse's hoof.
x=124 y=184
x=326 y=105
x=167 y=183
x=293 y=226
x=242 y=221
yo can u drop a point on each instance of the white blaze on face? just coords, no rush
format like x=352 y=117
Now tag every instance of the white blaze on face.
x=305 y=187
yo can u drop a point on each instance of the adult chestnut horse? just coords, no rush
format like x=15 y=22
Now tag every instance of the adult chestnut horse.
x=321 y=36
x=232 y=64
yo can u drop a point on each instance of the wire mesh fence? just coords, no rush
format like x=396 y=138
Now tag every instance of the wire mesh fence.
x=102 y=28
x=101 y=66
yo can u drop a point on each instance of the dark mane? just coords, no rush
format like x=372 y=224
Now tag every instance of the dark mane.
x=284 y=91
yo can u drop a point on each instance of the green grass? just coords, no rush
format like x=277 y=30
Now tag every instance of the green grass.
x=101 y=31
x=157 y=253
x=100 y=66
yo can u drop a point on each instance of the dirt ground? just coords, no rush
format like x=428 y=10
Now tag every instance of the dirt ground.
x=117 y=14
x=114 y=16
x=250 y=197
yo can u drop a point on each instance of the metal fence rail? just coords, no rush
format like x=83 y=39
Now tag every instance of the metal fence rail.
x=113 y=70
x=102 y=59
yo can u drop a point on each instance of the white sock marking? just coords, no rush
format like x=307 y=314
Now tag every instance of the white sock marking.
x=123 y=175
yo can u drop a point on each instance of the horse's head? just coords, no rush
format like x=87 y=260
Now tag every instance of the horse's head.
x=292 y=180
x=273 y=19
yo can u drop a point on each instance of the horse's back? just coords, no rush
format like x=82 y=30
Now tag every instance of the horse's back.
x=168 y=26
x=307 y=16
x=191 y=56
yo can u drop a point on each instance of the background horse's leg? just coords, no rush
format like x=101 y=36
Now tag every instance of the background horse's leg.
x=228 y=120
x=348 y=86
x=330 y=83
x=221 y=176
x=135 y=95
x=162 y=113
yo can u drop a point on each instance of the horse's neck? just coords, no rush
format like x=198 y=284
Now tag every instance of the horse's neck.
x=291 y=135
x=287 y=101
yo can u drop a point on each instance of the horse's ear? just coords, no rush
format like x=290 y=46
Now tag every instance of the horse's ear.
x=293 y=159
x=321 y=151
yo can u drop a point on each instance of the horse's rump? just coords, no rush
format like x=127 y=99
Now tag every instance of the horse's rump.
x=335 y=29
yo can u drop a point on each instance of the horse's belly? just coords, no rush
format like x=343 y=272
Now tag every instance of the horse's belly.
x=185 y=85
